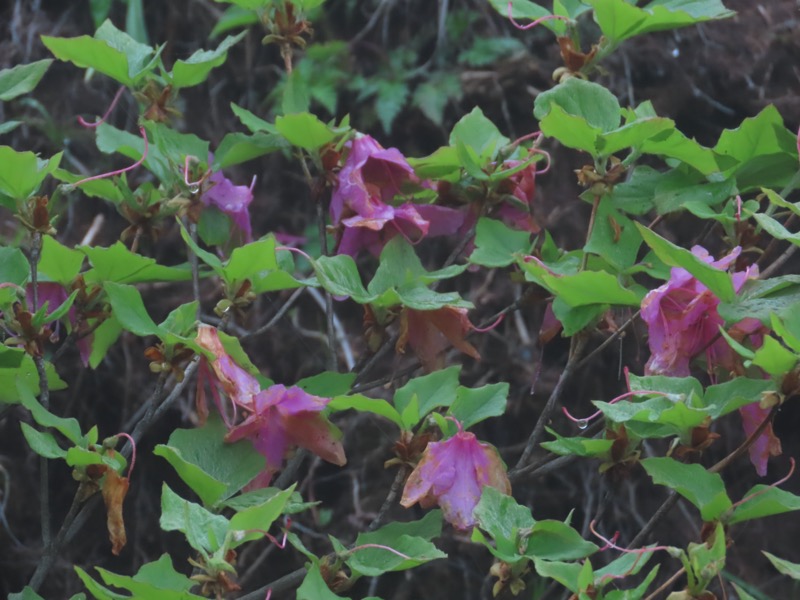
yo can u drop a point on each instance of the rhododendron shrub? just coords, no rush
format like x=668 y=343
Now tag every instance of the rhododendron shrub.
x=349 y=401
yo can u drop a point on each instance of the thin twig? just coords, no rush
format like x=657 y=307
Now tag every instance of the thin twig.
x=609 y=340
x=278 y=315
x=667 y=584
x=390 y=498
x=577 y=344
x=75 y=520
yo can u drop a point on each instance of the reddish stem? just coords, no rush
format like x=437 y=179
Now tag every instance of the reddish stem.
x=533 y=23
x=381 y=547
x=295 y=250
x=614 y=401
x=126 y=169
x=766 y=489
x=612 y=543
x=133 y=451
x=456 y=421
x=111 y=107
x=490 y=327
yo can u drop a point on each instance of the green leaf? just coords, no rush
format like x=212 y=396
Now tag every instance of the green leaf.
x=764 y=150
x=111 y=52
x=129 y=310
x=477 y=132
x=724 y=398
x=14 y=268
x=554 y=540
x=577 y=446
x=69 y=428
x=614 y=237
x=776 y=229
x=764 y=501
x=315 y=588
x=590 y=102
x=195 y=69
x=43 y=443
x=391 y=99
x=17 y=371
x=362 y=403
x=254 y=123
x=774 y=358
x=261 y=516
x=575 y=319
x=203 y=530
x=784 y=566
x=703 y=489
x=496 y=243
x=339 y=275
x=233 y=18
x=473 y=405
x=567 y=574
x=620 y=20
x=716 y=280
x=21 y=79
x=327 y=384
x=120 y=265
x=304 y=130
x=21 y=173
x=59 y=263
x=411 y=538
x=437 y=389
x=104 y=337
x=214 y=469
x=236 y=148
x=505 y=520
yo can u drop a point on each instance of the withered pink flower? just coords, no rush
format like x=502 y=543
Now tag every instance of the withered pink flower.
x=281 y=418
x=430 y=332
x=239 y=385
x=452 y=474
x=682 y=318
x=361 y=203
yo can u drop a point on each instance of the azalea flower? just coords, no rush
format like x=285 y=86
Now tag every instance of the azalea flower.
x=430 y=332
x=521 y=187
x=275 y=420
x=767 y=443
x=683 y=321
x=233 y=200
x=682 y=318
x=453 y=474
x=370 y=178
x=283 y=417
x=239 y=385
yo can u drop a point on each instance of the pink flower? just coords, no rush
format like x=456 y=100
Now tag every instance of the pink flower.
x=369 y=180
x=231 y=199
x=767 y=443
x=239 y=385
x=453 y=474
x=521 y=187
x=283 y=417
x=682 y=318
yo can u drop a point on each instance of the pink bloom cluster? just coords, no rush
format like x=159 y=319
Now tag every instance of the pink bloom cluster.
x=683 y=322
x=361 y=203
x=453 y=474
x=276 y=419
